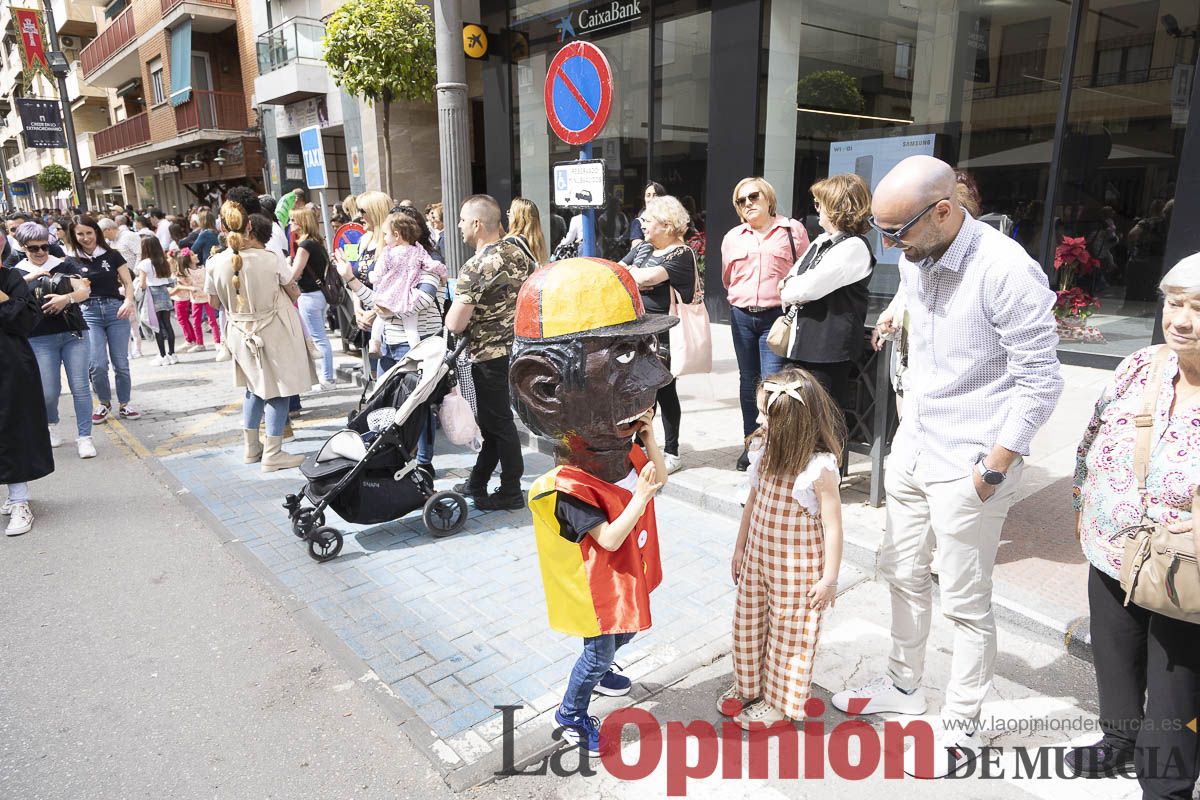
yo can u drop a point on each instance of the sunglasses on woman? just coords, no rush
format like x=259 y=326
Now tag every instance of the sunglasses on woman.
x=37 y=248
x=753 y=197
x=896 y=235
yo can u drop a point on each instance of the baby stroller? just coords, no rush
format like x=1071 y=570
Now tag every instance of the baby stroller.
x=367 y=472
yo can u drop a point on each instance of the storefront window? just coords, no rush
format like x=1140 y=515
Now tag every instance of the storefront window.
x=664 y=142
x=1124 y=134
x=853 y=88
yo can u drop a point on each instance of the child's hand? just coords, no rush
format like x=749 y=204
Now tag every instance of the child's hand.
x=823 y=594
x=647 y=483
x=735 y=564
x=645 y=425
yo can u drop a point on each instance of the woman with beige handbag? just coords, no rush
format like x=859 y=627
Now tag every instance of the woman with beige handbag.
x=825 y=293
x=1137 y=494
x=665 y=268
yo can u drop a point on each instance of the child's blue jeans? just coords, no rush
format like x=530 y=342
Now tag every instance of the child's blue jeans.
x=597 y=657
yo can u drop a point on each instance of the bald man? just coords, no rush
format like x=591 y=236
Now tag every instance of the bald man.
x=983 y=377
x=485 y=306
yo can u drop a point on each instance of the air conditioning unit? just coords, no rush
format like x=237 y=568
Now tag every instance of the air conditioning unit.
x=67 y=41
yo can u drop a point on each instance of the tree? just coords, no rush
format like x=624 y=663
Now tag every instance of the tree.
x=830 y=90
x=382 y=50
x=54 y=178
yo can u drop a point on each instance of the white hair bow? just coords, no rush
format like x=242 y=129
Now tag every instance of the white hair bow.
x=775 y=390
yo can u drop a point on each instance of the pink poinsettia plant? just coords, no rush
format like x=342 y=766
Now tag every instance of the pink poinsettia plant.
x=1075 y=303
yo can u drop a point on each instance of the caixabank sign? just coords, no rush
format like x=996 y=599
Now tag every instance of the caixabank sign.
x=598 y=17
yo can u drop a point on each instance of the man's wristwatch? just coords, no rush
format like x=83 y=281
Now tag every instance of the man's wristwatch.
x=991 y=477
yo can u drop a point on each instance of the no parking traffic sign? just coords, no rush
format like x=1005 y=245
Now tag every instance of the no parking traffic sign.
x=579 y=92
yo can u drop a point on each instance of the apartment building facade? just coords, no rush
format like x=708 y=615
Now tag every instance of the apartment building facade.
x=182 y=76
x=76 y=23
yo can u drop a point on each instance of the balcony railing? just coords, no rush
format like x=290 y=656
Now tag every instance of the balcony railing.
x=124 y=135
x=1031 y=85
x=167 y=5
x=111 y=39
x=297 y=38
x=224 y=111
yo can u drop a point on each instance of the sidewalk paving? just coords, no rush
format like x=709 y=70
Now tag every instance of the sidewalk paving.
x=447 y=629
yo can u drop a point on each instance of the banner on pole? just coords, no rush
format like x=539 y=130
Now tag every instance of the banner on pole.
x=33 y=43
x=42 y=122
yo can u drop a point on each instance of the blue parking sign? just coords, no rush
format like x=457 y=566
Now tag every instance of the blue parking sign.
x=314 y=157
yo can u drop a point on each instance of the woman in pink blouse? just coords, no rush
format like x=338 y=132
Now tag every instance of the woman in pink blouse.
x=755 y=257
x=1140 y=654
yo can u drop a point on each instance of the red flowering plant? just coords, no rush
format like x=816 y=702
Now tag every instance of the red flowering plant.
x=1072 y=259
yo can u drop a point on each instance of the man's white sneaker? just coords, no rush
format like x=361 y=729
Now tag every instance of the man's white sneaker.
x=172 y=359
x=877 y=697
x=161 y=361
x=949 y=753
x=21 y=520
x=85 y=446
x=55 y=439
x=328 y=386
x=673 y=462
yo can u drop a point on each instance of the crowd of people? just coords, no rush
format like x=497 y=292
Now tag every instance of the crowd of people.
x=79 y=296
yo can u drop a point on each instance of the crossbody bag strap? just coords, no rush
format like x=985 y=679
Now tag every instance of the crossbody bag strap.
x=791 y=242
x=1145 y=420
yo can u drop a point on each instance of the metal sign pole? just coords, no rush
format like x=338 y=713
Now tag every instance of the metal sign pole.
x=588 y=248
x=325 y=216
x=68 y=122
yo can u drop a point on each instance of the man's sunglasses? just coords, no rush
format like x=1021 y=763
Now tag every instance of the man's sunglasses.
x=896 y=235
x=753 y=197
x=37 y=248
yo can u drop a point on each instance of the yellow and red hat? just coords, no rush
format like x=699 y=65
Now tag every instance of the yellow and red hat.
x=583 y=297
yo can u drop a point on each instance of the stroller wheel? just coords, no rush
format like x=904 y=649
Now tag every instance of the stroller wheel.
x=445 y=513
x=305 y=520
x=325 y=543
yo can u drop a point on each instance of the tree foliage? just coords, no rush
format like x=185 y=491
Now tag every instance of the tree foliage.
x=382 y=49
x=830 y=90
x=54 y=178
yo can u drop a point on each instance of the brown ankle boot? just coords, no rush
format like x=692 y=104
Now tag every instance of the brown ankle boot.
x=274 y=458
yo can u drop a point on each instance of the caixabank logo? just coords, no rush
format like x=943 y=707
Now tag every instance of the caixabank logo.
x=851 y=750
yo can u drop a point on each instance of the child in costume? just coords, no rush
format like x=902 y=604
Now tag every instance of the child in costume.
x=788 y=551
x=585 y=374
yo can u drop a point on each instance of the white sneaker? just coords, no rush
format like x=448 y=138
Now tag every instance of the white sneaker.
x=762 y=712
x=161 y=361
x=85 y=447
x=187 y=348
x=222 y=353
x=673 y=463
x=730 y=700
x=199 y=348
x=55 y=439
x=880 y=695
x=328 y=386
x=21 y=520
x=948 y=755
x=172 y=359
x=135 y=353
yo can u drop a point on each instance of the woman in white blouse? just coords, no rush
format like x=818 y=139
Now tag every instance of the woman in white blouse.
x=825 y=292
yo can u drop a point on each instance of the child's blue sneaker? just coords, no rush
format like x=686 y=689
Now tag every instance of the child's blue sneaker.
x=583 y=731
x=613 y=683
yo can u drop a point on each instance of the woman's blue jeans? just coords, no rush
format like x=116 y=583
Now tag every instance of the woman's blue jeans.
x=108 y=339
x=276 y=409
x=596 y=659
x=313 y=306
x=755 y=359
x=388 y=358
x=53 y=352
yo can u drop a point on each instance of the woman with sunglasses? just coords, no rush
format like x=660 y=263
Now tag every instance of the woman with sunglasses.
x=755 y=257
x=58 y=341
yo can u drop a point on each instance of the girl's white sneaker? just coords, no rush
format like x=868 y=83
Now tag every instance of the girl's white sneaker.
x=85 y=447
x=172 y=359
x=21 y=520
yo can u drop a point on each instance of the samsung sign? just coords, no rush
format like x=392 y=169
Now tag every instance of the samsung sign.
x=597 y=18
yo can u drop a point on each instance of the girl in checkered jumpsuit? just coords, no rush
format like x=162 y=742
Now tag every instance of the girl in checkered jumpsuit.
x=789 y=549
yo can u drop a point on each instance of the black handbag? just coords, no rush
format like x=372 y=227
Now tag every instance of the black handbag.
x=58 y=284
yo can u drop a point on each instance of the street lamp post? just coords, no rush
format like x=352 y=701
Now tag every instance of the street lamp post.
x=61 y=69
x=452 y=124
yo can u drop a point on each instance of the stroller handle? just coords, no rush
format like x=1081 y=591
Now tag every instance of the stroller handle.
x=452 y=356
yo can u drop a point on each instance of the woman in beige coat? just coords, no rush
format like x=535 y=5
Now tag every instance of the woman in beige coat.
x=264 y=335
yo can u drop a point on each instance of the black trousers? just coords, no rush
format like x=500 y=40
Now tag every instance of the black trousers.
x=1140 y=656
x=495 y=419
x=834 y=377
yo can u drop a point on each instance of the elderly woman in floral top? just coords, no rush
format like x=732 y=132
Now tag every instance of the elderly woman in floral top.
x=1140 y=654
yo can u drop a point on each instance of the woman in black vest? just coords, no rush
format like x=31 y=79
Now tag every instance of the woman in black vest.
x=826 y=290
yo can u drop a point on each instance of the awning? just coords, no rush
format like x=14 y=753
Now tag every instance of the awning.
x=181 y=63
